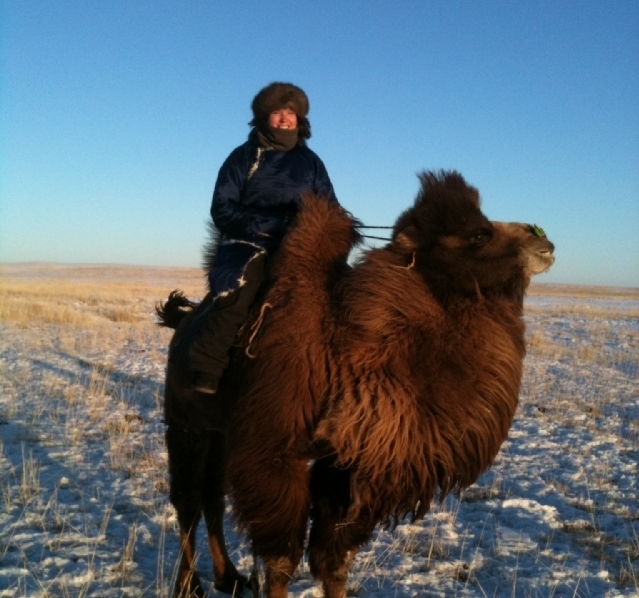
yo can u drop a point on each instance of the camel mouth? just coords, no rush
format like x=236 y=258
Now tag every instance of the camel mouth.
x=544 y=259
x=540 y=259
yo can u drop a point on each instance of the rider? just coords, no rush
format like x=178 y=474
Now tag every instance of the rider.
x=256 y=196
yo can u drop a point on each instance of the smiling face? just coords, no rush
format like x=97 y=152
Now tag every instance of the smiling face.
x=284 y=118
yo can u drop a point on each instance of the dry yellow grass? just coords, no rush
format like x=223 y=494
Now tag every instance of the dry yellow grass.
x=88 y=296
x=579 y=291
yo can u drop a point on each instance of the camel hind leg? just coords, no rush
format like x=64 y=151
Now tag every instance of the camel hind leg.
x=187 y=584
x=184 y=496
x=196 y=469
x=227 y=578
x=340 y=527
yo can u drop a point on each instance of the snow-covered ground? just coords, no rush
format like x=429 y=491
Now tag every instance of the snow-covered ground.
x=84 y=507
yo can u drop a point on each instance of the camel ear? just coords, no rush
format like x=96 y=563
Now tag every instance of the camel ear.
x=407 y=238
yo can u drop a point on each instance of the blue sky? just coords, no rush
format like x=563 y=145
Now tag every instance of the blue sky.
x=116 y=116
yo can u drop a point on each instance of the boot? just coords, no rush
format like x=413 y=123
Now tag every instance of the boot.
x=205 y=383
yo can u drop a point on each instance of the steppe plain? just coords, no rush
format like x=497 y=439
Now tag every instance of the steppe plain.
x=84 y=507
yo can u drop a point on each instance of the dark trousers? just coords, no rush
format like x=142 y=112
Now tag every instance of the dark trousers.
x=213 y=332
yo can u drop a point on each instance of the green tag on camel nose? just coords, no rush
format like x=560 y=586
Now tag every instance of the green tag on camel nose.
x=538 y=231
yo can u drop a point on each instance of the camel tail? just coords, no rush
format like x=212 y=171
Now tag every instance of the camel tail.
x=170 y=314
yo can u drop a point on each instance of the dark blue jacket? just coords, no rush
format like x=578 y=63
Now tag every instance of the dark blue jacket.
x=248 y=209
x=253 y=212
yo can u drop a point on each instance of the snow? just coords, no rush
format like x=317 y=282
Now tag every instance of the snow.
x=84 y=507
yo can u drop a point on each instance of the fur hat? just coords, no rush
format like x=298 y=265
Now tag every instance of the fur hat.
x=281 y=95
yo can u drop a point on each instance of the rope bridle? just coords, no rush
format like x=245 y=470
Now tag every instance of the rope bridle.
x=372 y=236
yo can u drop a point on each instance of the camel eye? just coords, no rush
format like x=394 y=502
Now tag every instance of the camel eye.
x=480 y=238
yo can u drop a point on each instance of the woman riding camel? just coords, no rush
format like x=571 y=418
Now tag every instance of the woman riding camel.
x=256 y=196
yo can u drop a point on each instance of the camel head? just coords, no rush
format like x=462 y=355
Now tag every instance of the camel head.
x=457 y=250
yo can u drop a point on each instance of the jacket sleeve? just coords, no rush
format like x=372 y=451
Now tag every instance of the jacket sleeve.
x=228 y=214
x=322 y=183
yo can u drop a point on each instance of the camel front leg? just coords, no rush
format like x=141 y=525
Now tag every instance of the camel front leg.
x=341 y=524
x=334 y=580
x=281 y=547
x=271 y=498
x=279 y=571
x=333 y=549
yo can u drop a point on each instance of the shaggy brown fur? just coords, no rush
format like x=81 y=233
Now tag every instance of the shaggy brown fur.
x=400 y=376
